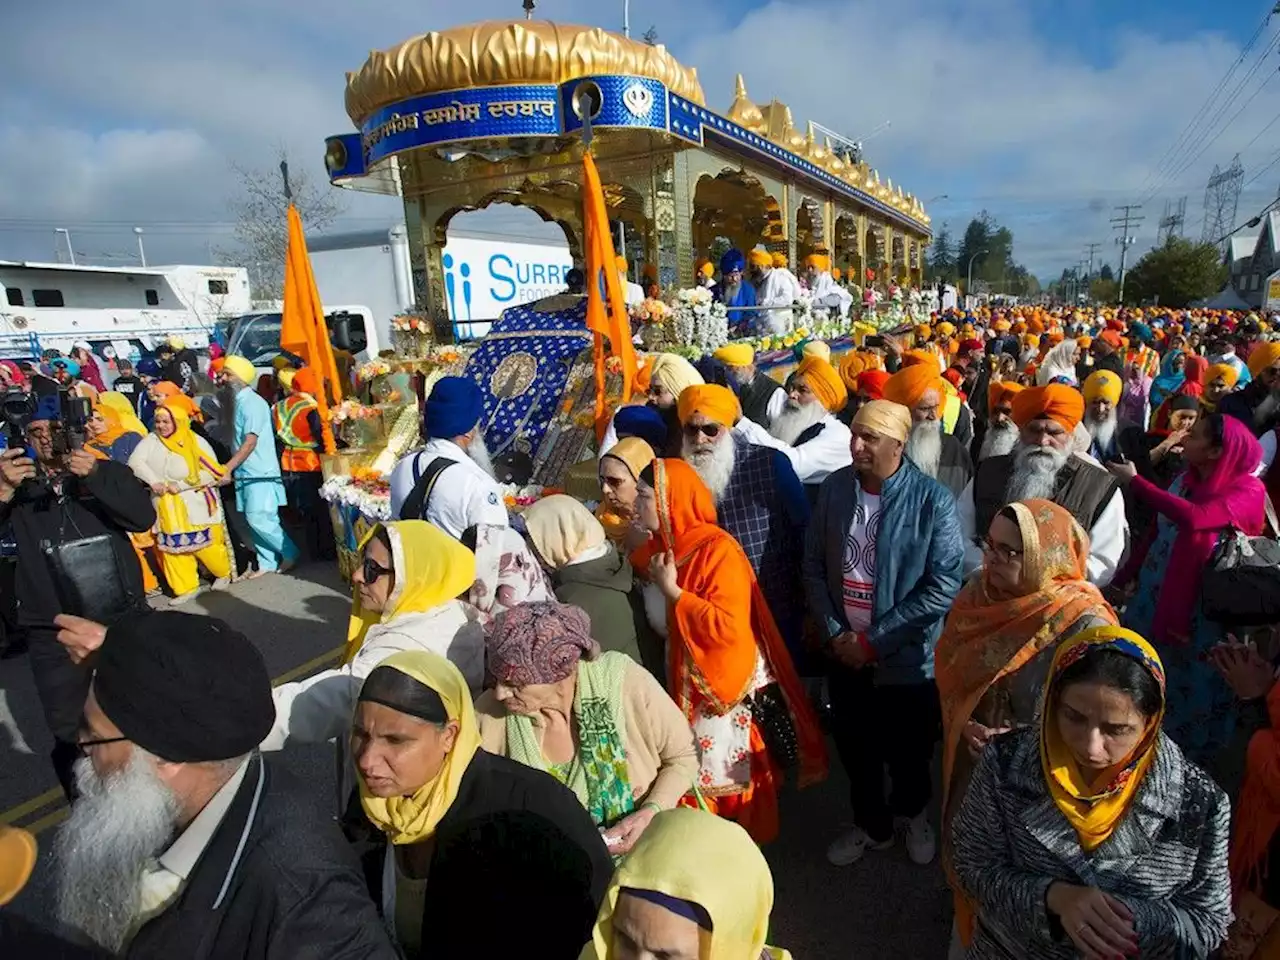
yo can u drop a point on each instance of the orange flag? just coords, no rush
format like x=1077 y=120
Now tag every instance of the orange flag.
x=302 y=326
x=606 y=306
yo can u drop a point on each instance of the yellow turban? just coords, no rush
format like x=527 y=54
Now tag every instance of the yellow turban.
x=909 y=385
x=674 y=372
x=1056 y=401
x=817 y=348
x=825 y=382
x=818 y=261
x=735 y=354
x=759 y=258
x=1030 y=341
x=885 y=418
x=778 y=260
x=712 y=401
x=706 y=269
x=923 y=331
x=286 y=378
x=1226 y=371
x=240 y=368
x=280 y=363
x=1084 y=342
x=1001 y=326
x=852 y=364
x=1262 y=356
x=1102 y=384
x=946 y=329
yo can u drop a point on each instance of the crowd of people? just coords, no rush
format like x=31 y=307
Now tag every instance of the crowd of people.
x=992 y=532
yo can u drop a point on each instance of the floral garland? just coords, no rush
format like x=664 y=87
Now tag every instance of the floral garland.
x=376 y=367
x=369 y=494
x=353 y=410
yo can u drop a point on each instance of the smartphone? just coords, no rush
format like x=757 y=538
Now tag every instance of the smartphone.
x=873 y=340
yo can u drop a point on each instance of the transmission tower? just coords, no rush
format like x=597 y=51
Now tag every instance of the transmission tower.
x=1175 y=216
x=1221 y=198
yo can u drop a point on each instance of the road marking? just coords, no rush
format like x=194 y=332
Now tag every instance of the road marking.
x=28 y=807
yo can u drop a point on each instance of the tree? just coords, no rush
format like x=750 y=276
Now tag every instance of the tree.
x=651 y=36
x=261 y=220
x=942 y=257
x=1176 y=274
x=1104 y=289
x=1105 y=273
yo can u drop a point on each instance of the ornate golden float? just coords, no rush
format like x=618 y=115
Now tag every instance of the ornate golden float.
x=487 y=113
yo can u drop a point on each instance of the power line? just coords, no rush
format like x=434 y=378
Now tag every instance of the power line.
x=1122 y=224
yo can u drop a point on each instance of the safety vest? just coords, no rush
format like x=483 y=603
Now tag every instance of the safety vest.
x=950 y=411
x=293 y=427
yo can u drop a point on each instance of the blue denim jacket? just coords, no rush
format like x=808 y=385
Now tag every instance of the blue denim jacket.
x=919 y=555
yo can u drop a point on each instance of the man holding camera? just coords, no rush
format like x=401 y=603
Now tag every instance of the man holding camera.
x=59 y=497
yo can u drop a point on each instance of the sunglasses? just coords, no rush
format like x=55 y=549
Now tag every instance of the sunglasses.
x=708 y=430
x=372 y=570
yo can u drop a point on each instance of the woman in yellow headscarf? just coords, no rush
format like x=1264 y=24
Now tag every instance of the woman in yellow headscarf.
x=695 y=885
x=405 y=596
x=183 y=473
x=1093 y=834
x=114 y=432
x=462 y=827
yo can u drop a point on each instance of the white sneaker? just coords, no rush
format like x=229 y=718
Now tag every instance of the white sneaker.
x=849 y=848
x=922 y=842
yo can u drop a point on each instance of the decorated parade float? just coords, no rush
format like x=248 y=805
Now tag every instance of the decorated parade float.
x=501 y=112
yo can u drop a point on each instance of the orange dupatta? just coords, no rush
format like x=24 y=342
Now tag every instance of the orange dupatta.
x=1258 y=812
x=988 y=637
x=722 y=618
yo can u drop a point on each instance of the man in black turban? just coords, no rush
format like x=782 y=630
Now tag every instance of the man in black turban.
x=183 y=835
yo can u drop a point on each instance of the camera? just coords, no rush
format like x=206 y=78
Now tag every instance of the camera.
x=18 y=408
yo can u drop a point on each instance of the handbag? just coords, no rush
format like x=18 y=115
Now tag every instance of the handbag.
x=87 y=578
x=772 y=715
x=1241 y=586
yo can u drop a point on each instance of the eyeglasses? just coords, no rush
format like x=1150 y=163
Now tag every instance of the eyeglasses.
x=372 y=570
x=708 y=430
x=84 y=746
x=999 y=550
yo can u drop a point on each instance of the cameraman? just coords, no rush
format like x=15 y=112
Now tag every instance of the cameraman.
x=54 y=499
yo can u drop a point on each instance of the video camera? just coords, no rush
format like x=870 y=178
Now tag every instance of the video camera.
x=19 y=407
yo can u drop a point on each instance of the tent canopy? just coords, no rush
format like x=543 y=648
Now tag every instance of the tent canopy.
x=1224 y=299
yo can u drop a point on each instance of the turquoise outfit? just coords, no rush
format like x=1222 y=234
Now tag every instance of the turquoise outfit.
x=1200 y=715
x=259 y=485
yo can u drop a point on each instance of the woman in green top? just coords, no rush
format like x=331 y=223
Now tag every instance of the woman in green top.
x=600 y=723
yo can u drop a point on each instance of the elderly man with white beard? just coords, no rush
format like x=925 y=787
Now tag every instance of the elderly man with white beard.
x=759 y=501
x=450 y=481
x=1000 y=434
x=1102 y=391
x=761 y=396
x=935 y=452
x=807 y=431
x=184 y=841
x=1043 y=466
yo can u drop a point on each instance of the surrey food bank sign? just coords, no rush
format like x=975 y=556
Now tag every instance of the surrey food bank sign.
x=484 y=277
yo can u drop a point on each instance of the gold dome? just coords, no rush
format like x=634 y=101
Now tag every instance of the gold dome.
x=498 y=52
x=743 y=112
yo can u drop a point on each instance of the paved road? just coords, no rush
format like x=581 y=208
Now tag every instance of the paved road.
x=885 y=907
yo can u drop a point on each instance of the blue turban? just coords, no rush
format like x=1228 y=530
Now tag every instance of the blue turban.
x=1141 y=331
x=148 y=367
x=453 y=408
x=732 y=261
x=643 y=422
x=68 y=364
x=48 y=407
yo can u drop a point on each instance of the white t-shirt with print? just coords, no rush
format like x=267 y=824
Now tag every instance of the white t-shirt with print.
x=859 y=577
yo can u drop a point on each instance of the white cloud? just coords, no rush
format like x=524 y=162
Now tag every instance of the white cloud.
x=126 y=112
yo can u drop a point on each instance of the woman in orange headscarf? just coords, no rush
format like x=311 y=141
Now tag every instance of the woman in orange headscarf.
x=727 y=665
x=995 y=650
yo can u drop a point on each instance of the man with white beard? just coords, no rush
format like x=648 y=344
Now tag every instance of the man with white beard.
x=1043 y=466
x=935 y=453
x=1102 y=391
x=761 y=396
x=1000 y=434
x=775 y=287
x=807 y=431
x=183 y=835
x=449 y=481
x=759 y=501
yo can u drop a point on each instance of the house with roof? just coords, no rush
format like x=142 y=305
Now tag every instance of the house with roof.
x=1252 y=256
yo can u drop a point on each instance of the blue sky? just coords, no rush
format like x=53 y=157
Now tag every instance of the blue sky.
x=1044 y=113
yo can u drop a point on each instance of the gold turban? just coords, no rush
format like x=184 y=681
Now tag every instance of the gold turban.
x=1262 y=356
x=1002 y=392
x=1225 y=371
x=851 y=365
x=778 y=260
x=1001 y=326
x=712 y=401
x=674 y=372
x=735 y=354
x=759 y=258
x=946 y=329
x=923 y=331
x=817 y=348
x=909 y=385
x=818 y=261
x=885 y=418
x=1055 y=401
x=1102 y=384
x=825 y=383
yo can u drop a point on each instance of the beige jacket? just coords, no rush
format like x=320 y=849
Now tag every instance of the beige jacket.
x=662 y=760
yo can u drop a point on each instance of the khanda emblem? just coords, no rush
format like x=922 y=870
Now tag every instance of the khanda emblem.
x=638 y=99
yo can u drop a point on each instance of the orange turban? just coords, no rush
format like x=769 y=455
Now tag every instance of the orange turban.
x=1055 y=337
x=644 y=373
x=871 y=382
x=1056 y=401
x=909 y=385
x=759 y=258
x=712 y=401
x=851 y=365
x=306 y=381
x=1262 y=356
x=1035 y=326
x=1002 y=392
x=927 y=357
x=1019 y=328
x=818 y=261
x=1110 y=337
x=825 y=382
x=778 y=260
x=1001 y=326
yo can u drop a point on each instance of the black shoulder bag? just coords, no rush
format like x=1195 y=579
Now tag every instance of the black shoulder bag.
x=415 y=505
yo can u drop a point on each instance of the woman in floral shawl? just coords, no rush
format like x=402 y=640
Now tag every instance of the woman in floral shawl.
x=999 y=640
x=727 y=666
x=507 y=572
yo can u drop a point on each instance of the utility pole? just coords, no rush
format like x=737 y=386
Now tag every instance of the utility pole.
x=1123 y=225
x=1092 y=248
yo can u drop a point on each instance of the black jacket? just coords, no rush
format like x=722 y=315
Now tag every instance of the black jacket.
x=518 y=850
x=110 y=500
x=277 y=882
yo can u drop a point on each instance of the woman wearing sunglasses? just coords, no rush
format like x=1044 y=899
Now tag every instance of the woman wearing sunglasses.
x=994 y=653
x=406 y=597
